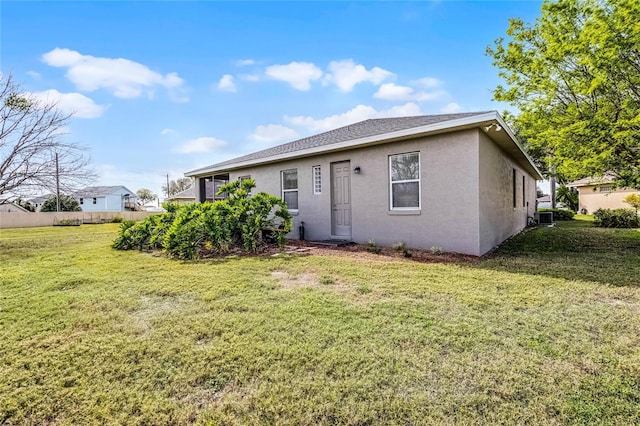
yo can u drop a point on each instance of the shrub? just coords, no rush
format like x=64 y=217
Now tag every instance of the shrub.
x=633 y=200
x=197 y=230
x=560 y=214
x=618 y=218
x=372 y=247
x=401 y=247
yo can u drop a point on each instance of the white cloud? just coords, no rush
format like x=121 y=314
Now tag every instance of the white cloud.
x=346 y=74
x=451 y=107
x=273 y=133
x=427 y=82
x=393 y=92
x=167 y=132
x=226 y=83
x=359 y=113
x=34 y=74
x=249 y=77
x=122 y=77
x=71 y=103
x=298 y=74
x=245 y=62
x=203 y=144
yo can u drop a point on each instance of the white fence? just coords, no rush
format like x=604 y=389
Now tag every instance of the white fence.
x=31 y=220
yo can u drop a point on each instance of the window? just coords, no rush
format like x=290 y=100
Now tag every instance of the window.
x=523 y=193
x=513 y=183
x=404 y=173
x=606 y=188
x=317 y=180
x=95 y=201
x=290 y=188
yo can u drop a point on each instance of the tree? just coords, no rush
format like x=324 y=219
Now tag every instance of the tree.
x=145 y=195
x=633 y=200
x=31 y=136
x=67 y=204
x=177 y=185
x=574 y=76
x=568 y=196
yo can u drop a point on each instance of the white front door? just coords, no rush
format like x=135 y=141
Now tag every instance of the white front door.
x=341 y=199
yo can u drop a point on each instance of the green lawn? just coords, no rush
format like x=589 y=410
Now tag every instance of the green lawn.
x=544 y=331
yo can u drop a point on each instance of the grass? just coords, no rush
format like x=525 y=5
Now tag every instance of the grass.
x=546 y=330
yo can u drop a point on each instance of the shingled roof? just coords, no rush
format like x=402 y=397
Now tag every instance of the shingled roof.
x=363 y=129
x=381 y=130
x=99 y=191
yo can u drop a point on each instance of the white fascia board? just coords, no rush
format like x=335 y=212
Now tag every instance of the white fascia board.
x=513 y=137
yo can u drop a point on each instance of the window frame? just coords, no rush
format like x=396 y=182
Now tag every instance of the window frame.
x=296 y=190
x=316 y=173
x=524 y=195
x=392 y=182
x=514 y=182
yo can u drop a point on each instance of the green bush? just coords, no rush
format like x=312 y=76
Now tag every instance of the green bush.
x=560 y=214
x=198 y=230
x=618 y=218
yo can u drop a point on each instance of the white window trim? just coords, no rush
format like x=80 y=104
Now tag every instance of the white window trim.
x=282 y=172
x=391 y=182
x=317 y=189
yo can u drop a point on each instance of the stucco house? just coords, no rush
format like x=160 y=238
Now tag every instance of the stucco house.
x=106 y=199
x=460 y=182
x=598 y=193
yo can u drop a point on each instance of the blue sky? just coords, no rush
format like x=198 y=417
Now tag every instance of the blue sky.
x=165 y=87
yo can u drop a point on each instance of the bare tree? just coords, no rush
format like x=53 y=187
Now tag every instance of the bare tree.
x=31 y=137
x=176 y=186
x=145 y=195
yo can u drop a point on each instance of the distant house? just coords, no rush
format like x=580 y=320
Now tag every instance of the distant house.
x=37 y=202
x=460 y=182
x=106 y=199
x=598 y=193
x=9 y=207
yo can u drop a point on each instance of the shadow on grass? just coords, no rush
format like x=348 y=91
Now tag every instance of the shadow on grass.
x=573 y=250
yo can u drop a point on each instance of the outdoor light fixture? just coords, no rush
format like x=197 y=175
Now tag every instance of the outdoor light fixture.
x=495 y=126
x=357 y=170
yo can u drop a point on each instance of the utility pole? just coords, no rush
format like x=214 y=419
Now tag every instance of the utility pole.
x=167 y=185
x=57 y=185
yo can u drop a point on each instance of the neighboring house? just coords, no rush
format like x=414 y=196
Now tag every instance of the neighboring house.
x=460 y=182
x=544 y=202
x=9 y=207
x=37 y=202
x=106 y=199
x=598 y=193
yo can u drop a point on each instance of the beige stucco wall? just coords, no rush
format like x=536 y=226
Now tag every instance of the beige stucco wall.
x=498 y=219
x=31 y=220
x=591 y=199
x=449 y=193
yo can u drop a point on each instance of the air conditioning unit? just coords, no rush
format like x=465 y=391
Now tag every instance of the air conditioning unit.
x=546 y=218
